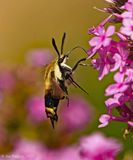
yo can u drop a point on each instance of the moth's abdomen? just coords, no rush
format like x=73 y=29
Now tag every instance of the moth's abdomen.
x=51 y=104
x=51 y=101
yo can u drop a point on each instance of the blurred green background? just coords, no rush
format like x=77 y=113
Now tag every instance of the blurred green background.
x=27 y=24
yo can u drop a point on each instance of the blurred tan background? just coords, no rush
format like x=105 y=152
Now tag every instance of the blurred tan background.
x=31 y=23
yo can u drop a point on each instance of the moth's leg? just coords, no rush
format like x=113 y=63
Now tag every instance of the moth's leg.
x=76 y=65
x=53 y=119
x=67 y=101
x=85 y=65
x=62 y=86
x=75 y=83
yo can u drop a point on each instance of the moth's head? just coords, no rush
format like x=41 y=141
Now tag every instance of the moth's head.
x=62 y=59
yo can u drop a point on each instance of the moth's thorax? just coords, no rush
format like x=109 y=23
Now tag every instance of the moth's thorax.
x=60 y=66
x=63 y=63
x=57 y=72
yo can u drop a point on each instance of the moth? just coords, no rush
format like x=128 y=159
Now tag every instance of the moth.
x=57 y=78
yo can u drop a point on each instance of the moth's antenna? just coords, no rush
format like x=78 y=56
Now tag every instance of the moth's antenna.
x=62 y=44
x=55 y=47
x=68 y=53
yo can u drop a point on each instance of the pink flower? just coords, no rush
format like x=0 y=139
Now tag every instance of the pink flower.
x=7 y=80
x=77 y=115
x=128 y=6
x=29 y=150
x=98 y=147
x=129 y=74
x=118 y=87
x=36 y=111
x=111 y=59
x=125 y=112
x=102 y=65
x=65 y=153
x=11 y=157
x=39 y=57
x=104 y=119
x=115 y=55
x=102 y=37
x=127 y=27
x=115 y=101
x=107 y=62
x=126 y=15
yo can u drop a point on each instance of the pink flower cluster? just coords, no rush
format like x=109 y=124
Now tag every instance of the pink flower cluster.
x=114 y=49
x=77 y=116
x=98 y=147
x=90 y=147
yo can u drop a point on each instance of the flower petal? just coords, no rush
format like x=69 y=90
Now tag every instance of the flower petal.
x=104 y=70
x=103 y=125
x=112 y=89
x=126 y=14
x=94 y=41
x=104 y=119
x=127 y=22
x=106 y=42
x=125 y=30
x=131 y=36
x=130 y=123
x=101 y=30
x=119 y=77
x=116 y=65
x=110 y=31
x=112 y=102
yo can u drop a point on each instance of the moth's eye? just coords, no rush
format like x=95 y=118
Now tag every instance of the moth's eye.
x=60 y=60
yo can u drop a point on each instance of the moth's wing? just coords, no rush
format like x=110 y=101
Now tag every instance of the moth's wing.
x=48 y=77
x=62 y=86
x=43 y=69
x=51 y=96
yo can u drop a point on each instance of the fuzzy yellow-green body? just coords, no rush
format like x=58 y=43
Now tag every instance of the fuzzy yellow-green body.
x=53 y=92
x=50 y=83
